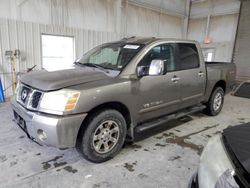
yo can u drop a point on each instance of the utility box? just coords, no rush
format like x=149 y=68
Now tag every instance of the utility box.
x=2 y=99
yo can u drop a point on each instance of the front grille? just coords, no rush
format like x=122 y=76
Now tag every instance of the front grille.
x=28 y=97
x=35 y=99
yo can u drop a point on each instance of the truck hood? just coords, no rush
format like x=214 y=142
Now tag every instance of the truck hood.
x=47 y=81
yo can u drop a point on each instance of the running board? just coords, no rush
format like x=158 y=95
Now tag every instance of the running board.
x=164 y=119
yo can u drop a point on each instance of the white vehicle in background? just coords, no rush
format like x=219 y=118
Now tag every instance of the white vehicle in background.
x=225 y=161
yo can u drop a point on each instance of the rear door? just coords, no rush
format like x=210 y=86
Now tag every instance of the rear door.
x=192 y=73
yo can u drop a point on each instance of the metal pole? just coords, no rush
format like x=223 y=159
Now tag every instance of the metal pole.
x=208 y=26
x=159 y=22
x=12 y=61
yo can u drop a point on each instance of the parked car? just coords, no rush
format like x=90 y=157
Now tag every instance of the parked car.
x=225 y=161
x=117 y=89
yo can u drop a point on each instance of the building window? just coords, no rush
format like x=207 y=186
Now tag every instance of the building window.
x=58 y=52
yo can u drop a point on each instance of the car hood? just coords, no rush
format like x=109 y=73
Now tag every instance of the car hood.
x=47 y=81
x=237 y=138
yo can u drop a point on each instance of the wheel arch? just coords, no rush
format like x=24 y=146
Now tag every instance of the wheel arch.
x=209 y=109
x=221 y=83
x=120 y=107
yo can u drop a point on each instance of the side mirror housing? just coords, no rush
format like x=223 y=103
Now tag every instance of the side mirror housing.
x=156 y=67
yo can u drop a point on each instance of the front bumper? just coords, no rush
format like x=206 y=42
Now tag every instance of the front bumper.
x=60 y=131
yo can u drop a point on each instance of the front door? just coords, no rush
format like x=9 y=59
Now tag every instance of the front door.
x=158 y=95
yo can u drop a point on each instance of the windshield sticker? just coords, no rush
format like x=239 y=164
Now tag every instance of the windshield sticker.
x=130 y=46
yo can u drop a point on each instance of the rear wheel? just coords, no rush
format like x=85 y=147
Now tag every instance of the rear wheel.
x=103 y=137
x=215 y=102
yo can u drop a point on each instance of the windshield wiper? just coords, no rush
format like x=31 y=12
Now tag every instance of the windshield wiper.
x=92 y=65
x=110 y=68
x=78 y=63
x=95 y=66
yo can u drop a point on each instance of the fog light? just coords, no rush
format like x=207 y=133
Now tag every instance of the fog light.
x=41 y=135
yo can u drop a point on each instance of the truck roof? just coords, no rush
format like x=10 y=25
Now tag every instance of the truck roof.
x=147 y=40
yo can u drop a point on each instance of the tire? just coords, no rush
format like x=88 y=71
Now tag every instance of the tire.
x=215 y=102
x=103 y=136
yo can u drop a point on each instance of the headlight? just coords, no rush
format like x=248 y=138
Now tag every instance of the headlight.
x=227 y=180
x=215 y=165
x=59 y=101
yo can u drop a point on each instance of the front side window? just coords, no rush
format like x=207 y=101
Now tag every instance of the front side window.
x=163 y=52
x=188 y=56
x=113 y=56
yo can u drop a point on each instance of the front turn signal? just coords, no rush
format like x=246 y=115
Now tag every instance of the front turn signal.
x=72 y=101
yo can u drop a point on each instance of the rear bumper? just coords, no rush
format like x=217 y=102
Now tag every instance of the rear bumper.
x=59 y=131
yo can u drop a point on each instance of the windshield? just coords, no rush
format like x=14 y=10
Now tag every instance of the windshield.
x=113 y=56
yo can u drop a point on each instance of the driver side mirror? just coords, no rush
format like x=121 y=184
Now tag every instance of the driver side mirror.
x=155 y=68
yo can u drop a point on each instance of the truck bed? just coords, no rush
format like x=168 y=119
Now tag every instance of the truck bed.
x=217 y=71
x=226 y=67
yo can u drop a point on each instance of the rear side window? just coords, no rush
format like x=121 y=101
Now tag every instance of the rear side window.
x=188 y=56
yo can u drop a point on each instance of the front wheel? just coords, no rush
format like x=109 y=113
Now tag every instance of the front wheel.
x=215 y=102
x=103 y=137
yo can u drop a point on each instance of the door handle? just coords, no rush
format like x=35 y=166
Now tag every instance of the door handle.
x=201 y=74
x=175 y=79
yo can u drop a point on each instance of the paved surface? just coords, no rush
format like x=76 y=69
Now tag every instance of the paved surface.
x=162 y=158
